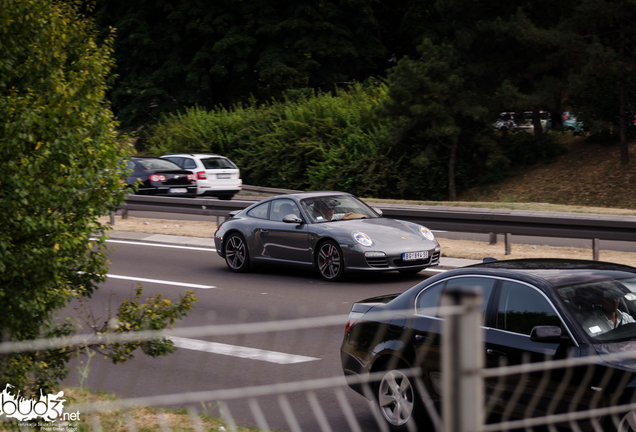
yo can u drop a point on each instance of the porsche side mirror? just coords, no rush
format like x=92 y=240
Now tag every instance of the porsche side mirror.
x=378 y=211
x=292 y=218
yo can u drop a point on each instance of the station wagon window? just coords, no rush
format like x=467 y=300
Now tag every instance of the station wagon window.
x=283 y=207
x=188 y=163
x=522 y=307
x=259 y=211
x=431 y=297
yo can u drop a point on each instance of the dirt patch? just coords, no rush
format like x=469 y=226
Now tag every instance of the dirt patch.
x=450 y=248
x=589 y=174
x=479 y=250
x=163 y=226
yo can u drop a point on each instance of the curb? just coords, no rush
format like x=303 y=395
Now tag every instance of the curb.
x=445 y=262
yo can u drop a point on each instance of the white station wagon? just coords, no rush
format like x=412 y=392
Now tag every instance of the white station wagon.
x=215 y=175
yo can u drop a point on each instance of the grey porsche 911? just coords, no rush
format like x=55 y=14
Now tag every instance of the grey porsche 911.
x=333 y=232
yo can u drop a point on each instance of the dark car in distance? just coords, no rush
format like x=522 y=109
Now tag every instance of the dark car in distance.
x=333 y=232
x=156 y=176
x=533 y=310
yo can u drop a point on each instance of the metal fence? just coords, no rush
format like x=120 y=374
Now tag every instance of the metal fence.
x=529 y=396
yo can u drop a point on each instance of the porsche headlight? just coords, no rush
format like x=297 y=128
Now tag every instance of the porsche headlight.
x=427 y=233
x=362 y=238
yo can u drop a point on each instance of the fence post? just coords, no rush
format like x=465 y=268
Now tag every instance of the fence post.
x=462 y=362
x=595 y=247
x=508 y=243
x=493 y=238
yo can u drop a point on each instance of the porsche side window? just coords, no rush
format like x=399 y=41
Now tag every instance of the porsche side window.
x=260 y=211
x=522 y=307
x=282 y=208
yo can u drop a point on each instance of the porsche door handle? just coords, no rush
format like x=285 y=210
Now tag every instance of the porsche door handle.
x=263 y=231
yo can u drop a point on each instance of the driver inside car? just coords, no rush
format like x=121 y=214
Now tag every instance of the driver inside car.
x=324 y=210
x=606 y=314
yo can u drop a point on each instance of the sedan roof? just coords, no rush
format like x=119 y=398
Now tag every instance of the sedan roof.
x=556 y=272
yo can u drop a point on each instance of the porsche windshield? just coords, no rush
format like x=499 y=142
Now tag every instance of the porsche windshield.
x=605 y=310
x=337 y=207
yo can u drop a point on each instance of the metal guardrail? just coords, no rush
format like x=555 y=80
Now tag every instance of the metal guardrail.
x=461 y=219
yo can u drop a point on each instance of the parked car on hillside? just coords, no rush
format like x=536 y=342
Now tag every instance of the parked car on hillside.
x=533 y=310
x=156 y=176
x=332 y=232
x=570 y=123
x=215 y=175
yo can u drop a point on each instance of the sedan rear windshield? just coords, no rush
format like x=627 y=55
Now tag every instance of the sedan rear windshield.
x=218 y=163
x=158 y=164
x=605 y=310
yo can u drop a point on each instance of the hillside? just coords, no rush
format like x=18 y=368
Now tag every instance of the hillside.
x=588 y=174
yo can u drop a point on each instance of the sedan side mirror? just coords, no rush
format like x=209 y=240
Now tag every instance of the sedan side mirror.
x=547 y=334
x=292 y=218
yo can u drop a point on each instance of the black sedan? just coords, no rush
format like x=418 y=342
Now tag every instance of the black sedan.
x=156 y=176
x=533 y=310
x=333 y=232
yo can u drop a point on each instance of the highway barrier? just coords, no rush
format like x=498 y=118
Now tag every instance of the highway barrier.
x=595 y=227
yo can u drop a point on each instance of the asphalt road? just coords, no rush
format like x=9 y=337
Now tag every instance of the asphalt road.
x=229 y=298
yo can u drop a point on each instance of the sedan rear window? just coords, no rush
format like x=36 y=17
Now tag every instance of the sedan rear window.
x=158 y=164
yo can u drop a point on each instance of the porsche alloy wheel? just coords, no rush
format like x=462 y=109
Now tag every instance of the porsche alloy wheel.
x=330 y=262
x=236 y=254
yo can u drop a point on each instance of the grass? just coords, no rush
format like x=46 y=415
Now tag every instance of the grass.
x=588 y=178
x=141 y=419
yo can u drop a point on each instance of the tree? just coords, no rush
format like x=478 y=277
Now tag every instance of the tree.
x=436 y=96
x=177 y=54
x=61 y=164
x=602 y=89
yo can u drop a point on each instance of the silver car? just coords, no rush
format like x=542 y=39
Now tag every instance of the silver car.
x=333 y=232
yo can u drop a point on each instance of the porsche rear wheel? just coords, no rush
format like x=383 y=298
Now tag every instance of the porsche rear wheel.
x=237 y=256
x=330 y=262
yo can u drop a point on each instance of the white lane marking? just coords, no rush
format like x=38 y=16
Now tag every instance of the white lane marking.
x=163 y=282
x=159 y=245
x=238 y=351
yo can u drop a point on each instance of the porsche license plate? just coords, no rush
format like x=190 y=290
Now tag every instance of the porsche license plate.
x=178 y=190
x=412 y=256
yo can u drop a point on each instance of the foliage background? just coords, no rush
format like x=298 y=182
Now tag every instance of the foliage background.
x=61 y=162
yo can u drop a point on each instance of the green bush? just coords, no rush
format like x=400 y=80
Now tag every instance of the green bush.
x=339 y=141
x=309 y=141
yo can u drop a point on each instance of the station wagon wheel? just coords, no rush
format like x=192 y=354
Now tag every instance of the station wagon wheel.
x=330 y=262
x=237 y=256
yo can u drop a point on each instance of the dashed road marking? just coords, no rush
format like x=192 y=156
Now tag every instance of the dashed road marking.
x=239 y=351
x=162 y=282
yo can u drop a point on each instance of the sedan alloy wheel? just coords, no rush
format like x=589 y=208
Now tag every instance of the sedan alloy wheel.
x=396 y=398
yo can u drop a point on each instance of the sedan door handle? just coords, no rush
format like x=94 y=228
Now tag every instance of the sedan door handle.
x=495 y=353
